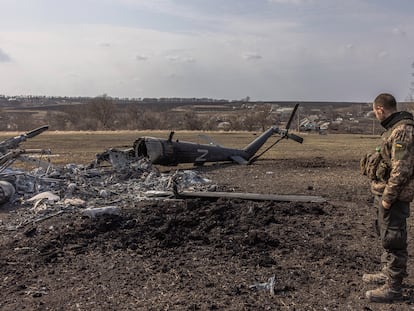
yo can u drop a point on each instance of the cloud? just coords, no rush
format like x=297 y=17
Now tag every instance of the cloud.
x=4 y=58
x=399 y=32
x=141 y=57
x=349 y=46
x=249 y=56
x=176 y=58
x=269 y=49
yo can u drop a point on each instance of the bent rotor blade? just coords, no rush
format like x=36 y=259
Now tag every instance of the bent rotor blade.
x=295 y=138
x=292 y=116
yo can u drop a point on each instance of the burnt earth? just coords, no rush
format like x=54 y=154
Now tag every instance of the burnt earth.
x=207 y=254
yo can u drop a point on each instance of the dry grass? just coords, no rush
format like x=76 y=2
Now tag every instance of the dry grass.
x=81 y=147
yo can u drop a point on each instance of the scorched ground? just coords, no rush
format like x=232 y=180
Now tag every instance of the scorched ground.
x=196 y=254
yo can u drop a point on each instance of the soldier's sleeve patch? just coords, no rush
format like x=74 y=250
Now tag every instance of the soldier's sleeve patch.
x=400 y=149
x=399 y=144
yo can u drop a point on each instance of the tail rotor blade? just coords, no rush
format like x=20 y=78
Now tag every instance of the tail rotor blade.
x=295 y=138
x=284 y=134
x=292 y=116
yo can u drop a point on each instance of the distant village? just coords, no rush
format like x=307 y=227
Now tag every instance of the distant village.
x=204 y=114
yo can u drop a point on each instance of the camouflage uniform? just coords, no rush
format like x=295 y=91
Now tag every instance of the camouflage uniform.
x=393 y=182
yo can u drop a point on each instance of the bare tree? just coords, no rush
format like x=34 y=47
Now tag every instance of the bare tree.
x=210 y=123
x=103 y=110
x=57 y=120
x=263 y=116
x=250 y=120
x=3 y=120
x=191 y=121
x=22 y=121
x=151 y=120
x=77 y=117
x=130 y=118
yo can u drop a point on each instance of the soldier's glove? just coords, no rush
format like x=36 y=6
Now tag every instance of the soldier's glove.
x=383 y=171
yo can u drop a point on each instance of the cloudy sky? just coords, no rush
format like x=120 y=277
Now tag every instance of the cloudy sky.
x=265 y=49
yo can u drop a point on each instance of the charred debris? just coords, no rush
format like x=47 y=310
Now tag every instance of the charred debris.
x=112 y=180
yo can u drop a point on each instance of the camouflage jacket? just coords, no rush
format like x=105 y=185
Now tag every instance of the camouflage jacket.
x=397 y=152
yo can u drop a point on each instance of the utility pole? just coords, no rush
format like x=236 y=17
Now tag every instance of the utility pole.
x=410 y=96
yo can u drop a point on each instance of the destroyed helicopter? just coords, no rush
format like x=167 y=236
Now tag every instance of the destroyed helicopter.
x=10 y=151
x=171 y=152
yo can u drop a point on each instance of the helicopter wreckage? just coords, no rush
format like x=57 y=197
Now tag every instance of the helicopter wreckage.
x=96 y=188
x=172 y=152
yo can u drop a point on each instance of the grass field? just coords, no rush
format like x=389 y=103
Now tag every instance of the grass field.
x=81 y=147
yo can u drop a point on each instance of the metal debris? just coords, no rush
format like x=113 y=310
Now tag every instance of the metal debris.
x=99 y=211
x=44 y=195
x=115 y=179
x=269 y=285
x=250 y=196
x=6 y=191
x=74 y=202
x=90 y=189
x=10 y=150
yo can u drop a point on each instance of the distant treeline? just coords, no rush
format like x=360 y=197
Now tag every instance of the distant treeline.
x=22 y=113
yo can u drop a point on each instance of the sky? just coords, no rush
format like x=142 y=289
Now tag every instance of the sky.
x=296 y=50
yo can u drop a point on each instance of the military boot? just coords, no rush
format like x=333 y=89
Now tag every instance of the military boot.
x=374 y=278
x=389 y=292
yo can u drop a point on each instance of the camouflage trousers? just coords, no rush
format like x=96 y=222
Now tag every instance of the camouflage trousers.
x=392 y=229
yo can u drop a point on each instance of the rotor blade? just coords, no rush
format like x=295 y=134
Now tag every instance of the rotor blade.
x=284 y=134
x=37 y=131
x=291 y=116
x=263 y=152
x=295 y=138
x=291 y=136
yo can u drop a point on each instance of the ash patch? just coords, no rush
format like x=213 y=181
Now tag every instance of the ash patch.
x=186 y=254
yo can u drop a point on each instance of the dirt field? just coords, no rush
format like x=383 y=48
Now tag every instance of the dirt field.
x=210 y=255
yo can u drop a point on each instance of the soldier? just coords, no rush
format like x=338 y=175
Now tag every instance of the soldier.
x=390 y=169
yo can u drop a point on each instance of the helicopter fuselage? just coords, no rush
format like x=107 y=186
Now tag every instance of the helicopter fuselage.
x=169 y=152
